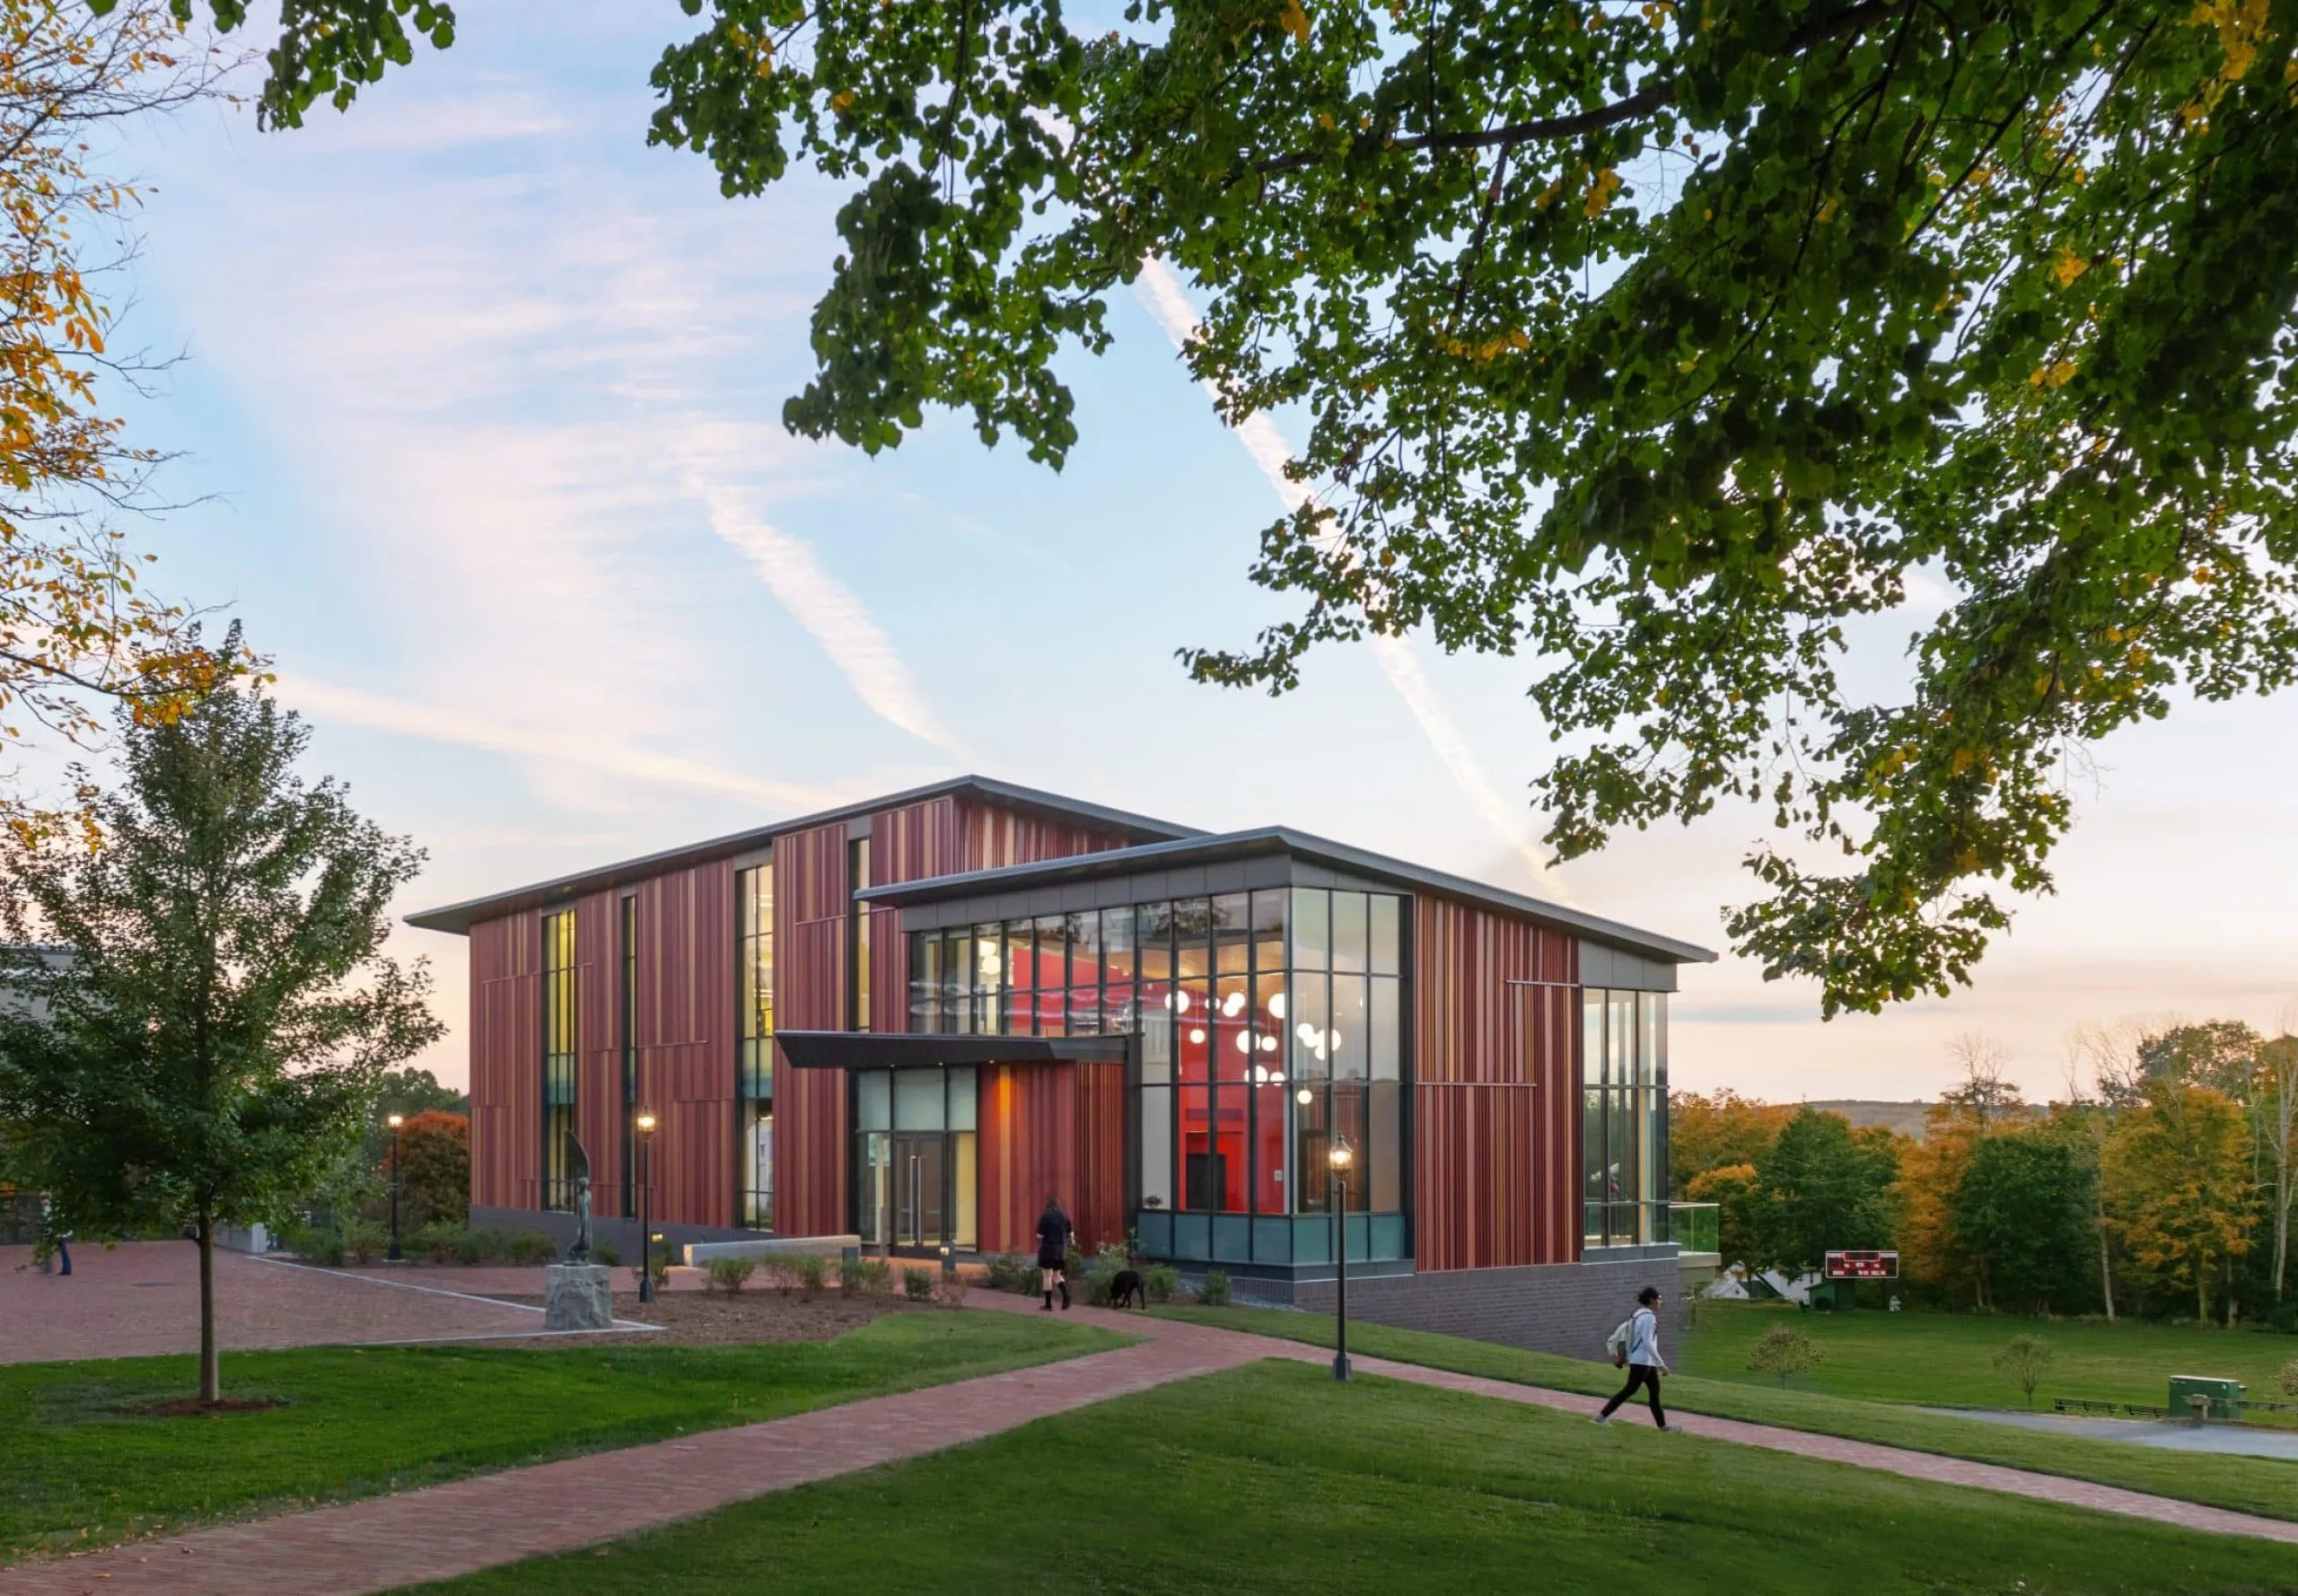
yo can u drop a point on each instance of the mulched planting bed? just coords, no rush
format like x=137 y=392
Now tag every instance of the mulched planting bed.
x=709 y=1318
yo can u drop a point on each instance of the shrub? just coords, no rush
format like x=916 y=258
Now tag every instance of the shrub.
x=2288 y=1377
x=1008 y=1271
x=2025 y=1358
x=1785 y=1350
x=2283 y=1317
x=435 y=1166
x=480 y=1247
x=436 y=1241
x=1103 y=1271
x=364 y=1239
x=870 y=1276
x=917 y=1285
x=660 y=1261
x=1159 y=1282
x=531 y=1247
x=606 y=1252
x=731 y=1274
x=813 y=1270
x=781 y=1272
x=950 y=1291
x=324 y=1248
x=1214 y=1291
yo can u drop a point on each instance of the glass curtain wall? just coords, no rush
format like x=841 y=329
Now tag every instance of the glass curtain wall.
x=1624 y=1117
x=558 y=1047
x=754 y=1047
x=917 y=1157
x=1269 y=1022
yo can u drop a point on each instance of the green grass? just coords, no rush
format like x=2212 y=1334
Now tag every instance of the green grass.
x=78 y=1467
x=2248 y=1484
x=1945 y=1359
x=1274 y=1478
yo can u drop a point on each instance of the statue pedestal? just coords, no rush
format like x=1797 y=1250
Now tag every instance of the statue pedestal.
x=578 y=1297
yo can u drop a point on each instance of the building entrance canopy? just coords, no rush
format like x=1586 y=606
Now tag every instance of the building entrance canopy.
x=879 y=1050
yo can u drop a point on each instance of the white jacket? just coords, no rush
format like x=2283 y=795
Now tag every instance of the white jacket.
x=1644 y=1339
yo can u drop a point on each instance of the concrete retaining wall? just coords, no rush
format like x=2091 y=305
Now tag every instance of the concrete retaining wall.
x=700 y=1253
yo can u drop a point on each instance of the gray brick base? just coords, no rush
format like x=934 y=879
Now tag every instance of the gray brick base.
x=1560 y=1308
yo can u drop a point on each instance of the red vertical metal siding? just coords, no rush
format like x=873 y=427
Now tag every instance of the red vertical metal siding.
x=505 y=1061
x=810 y=902
x=1496 y=1099
x=1057 y=1130
x=684 y=1035
x=598 y=1061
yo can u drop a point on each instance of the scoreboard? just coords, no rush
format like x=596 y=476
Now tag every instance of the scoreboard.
x=1862 y=1266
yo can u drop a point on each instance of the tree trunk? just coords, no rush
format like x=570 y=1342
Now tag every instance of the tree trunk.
x=2106 y=1267
x=2201 y=1290
x=211 y=1382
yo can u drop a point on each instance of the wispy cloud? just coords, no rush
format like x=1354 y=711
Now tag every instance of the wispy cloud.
x=1161 y=292
x=593 y=752
x=829 y=610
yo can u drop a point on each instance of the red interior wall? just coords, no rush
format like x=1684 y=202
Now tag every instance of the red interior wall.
x=1495 y=1095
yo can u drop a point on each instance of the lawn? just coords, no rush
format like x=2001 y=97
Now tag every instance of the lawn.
x=78 y=1466
x=2247 y=1485
x=1945 y=1359
x=1274 y=1478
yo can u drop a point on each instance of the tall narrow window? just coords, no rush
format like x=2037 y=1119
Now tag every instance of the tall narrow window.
x=628 y=1036
x=857 y=936
x=559 y=1060
x=754 y=1046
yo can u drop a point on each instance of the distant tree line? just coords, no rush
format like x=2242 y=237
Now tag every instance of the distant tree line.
x=2162 y=1186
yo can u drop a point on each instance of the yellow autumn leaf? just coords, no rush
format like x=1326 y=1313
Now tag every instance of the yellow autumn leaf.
x=2057 y=373
x=1295 y=20
x=1600 y=192
x=2068 y=267
x=843 y=100
x=1827 y=211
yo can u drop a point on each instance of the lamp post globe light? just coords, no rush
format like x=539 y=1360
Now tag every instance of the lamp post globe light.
x=1339 y=1157
x=394 y=1255
x=645 y=1124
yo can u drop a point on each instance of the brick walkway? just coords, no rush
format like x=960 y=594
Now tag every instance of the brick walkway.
x=454 y=1529
x=142 y=1299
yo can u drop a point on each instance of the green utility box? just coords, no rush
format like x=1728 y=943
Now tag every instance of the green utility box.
x=2218 y=1398
x=1835 y=1296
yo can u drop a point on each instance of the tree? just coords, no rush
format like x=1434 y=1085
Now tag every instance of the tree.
x=434 y=1168
x=2025 y=1359
x=2278 y=1072
x=2219 y=1054
x=1785 y=1350
x=2178 y=1174
x=2288 y=1377
x=411 y=1091
x=1929 y=1252
x=211 y=1047
x=2021 y=1211
x=1660 y=343
x=76 y=627
x=1716 y=1131
x=1740 y=1209
x=1825 y=1188
x=1983 y=1092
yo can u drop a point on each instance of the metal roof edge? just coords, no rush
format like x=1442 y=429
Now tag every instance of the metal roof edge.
x=457 y=918
x=1301 y=844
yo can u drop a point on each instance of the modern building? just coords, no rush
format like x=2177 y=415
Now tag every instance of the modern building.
x=913 y=1019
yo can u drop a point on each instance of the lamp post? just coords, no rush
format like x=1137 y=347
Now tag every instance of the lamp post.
x=646 y=1205
x=395 y=1256
x=1339 y=1157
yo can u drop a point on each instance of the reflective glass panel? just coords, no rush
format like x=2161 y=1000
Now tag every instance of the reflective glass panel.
x=1156 y=1147
x=1592 y=1038
x=1348 y=1107
x=1310 y=1137
x=1345 y=1037
x=964 y=1097
x=1387 y=934
x=1619 y=1040
x=1232 y=1036
x=1309 y=1016
x=1350 y=936
x=873 y=1100
x=918 y=1100
x=1232 y=934
x=1192 y=938
x=1384 y=1029
x=1192 y=1022
x=1311 y=928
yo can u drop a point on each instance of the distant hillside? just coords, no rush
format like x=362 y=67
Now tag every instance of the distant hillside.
x=1906 y=1119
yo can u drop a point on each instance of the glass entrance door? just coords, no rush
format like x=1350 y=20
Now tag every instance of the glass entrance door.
x=921 y=1175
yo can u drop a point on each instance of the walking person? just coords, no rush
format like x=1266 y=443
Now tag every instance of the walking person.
x=1637 y=1344
x=1054 y=1231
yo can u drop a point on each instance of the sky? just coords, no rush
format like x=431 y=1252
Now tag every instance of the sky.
x=477 y=428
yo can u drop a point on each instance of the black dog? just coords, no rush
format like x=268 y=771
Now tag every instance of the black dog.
x=1127 y=1288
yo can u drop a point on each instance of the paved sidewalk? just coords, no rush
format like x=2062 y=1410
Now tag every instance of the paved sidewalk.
x=455 y=1529
x=448 y=1529
x=142 y=1299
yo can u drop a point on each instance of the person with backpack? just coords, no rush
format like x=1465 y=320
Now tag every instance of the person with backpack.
x=1054 y=1231
x=1635 y=1346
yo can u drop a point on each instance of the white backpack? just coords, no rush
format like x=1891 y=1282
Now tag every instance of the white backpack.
x=1616 y=1343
